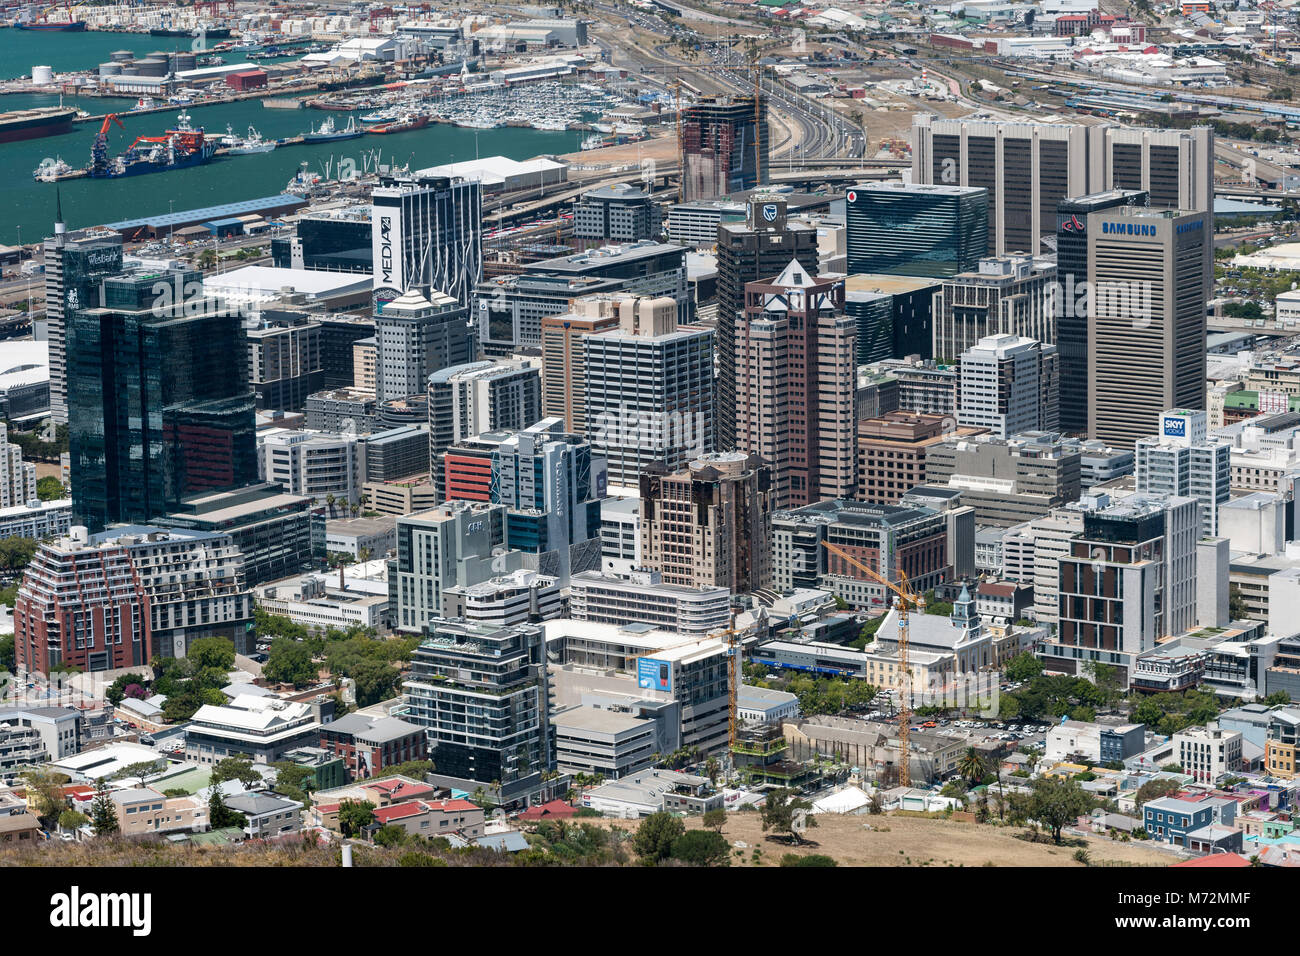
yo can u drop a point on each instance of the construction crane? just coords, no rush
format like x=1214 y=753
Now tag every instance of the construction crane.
x=731 y=636
x=99 y=148
x=905 y=599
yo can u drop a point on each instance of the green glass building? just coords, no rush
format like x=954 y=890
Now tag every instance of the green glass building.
x=159 y=405
x=904 y=229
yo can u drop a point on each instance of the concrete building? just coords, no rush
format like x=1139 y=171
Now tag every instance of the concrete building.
x=649 y=390
x=892 y=449
x=890 y=538
x=316 y=465
x=17 y=480
x=514 y=309
x=618 y=213
x=369 y=744
x=1208 y=753
x=284 y=360
x=1008 y=295
x=709 y=524
x=266 y=815
x=1006 y=481
x=645 y=598
x=418 y=335
x=602 y=742
x=1181 y=459
x=564 y=362
x=620 y=535
x=796 y=385
x=1009 y=385
x=319 y=603
x=520 y=597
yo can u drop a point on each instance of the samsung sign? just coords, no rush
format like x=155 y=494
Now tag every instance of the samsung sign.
x=1127 y=229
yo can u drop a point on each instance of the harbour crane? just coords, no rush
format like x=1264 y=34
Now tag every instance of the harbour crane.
x=99 y=148
x=905 y=599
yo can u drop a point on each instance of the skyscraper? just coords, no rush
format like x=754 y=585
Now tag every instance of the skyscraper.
x=1028 y=168
x=649 y=389
x=757 y=249
x=418 y=335
x=724 y=146
x=426 y=235
x=564 y=364
x=915 y=230
x=1071 y=297
x=1146 y=322
x=160 y=406
x=709 y=524
x=74 y=264
x=1007 y=295
x=795 y=385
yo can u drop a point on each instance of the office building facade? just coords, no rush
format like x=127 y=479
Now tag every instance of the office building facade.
x=1009 y=385
x=915 y=230
x=724 y=144
x=417 y=336
x=1181 y=459
x=1011 y=295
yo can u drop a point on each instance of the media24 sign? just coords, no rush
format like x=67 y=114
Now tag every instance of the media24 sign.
x=654 y=675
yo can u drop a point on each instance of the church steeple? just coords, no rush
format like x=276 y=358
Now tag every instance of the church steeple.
x=964 y=614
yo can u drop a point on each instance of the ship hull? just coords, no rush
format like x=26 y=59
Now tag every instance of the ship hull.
x=36 y=127
x=76 y=26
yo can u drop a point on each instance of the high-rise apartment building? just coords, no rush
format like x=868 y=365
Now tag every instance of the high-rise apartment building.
x=1128 y=581
x=418 y=335
x=724 y=146
x=915 y=230
x=481 y=693
x=159 y=407
x=1028 y=168
x=1071 y=300
x=649 y=390
x=284 y=360
x=795 y=385
x=564 y=362
x=752 y=251
x=1146 y=322
x=1010 y=295
x=1009 y=385
x=1181 y=459
x=319 y=465
x=17 y=479
x=426 y=237
x=709 y=524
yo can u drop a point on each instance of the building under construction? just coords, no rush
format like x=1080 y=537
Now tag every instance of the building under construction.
x=724 y=146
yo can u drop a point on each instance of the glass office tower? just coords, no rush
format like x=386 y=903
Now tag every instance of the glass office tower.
x=904 y=229
x=159 y=405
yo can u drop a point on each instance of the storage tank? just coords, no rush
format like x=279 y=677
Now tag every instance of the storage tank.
x=180 y=62
x=41 y=75
x=110 y=69
x=121 y=56
x=151 y=66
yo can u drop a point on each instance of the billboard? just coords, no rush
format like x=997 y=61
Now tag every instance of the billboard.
x=387 y=249
x=654 y=674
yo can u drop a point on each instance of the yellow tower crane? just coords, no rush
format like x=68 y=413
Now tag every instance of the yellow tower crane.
x=904 y=600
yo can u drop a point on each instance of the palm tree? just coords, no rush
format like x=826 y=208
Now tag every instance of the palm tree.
x=972 y=766
x=329 y=500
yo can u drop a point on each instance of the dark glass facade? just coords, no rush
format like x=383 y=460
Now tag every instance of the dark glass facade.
x=158 y=402
x=916 y=230
x=333 y=245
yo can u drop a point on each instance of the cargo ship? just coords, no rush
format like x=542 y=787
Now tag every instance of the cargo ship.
x=401 y=125
x=328 y=133
x=210 y=33
x=177 y=148
x=35 y=123
x=54 y=26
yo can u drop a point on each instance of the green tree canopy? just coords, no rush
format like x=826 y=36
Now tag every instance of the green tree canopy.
x=702 y=848
x=355 y=815
x=779 y=813
x=289 y=662
x=1056 y=802
x=49 y=488
x=656 y=835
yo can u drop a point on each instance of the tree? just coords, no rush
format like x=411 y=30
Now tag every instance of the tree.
x=702 y=848
x=1023 y=667
x=972 y=766
x=117 y=691
x=289 y=662
x=212 y=654
x=1056 y=802
x=235 y=768
x=103 y=812
x=416 y=769
x=812 y=859
x=16 y=552
x=45 y=788
x=72 y=820
x=715 y=819
x=49 y=488
x=355 y=815
x=1155 y=789
x=140 y=771
x=390 y=834
x=779 y=811
x=656 y=835
x=220 y=815
x=6 y=650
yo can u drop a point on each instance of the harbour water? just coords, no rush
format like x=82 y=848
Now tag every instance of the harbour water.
x=28 y=206
x=20 y=50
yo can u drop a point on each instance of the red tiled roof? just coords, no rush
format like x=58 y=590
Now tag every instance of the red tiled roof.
x=1217 y=860
x=555 y=808
x=450 y=806
x=400 y=810
x=328 y=807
